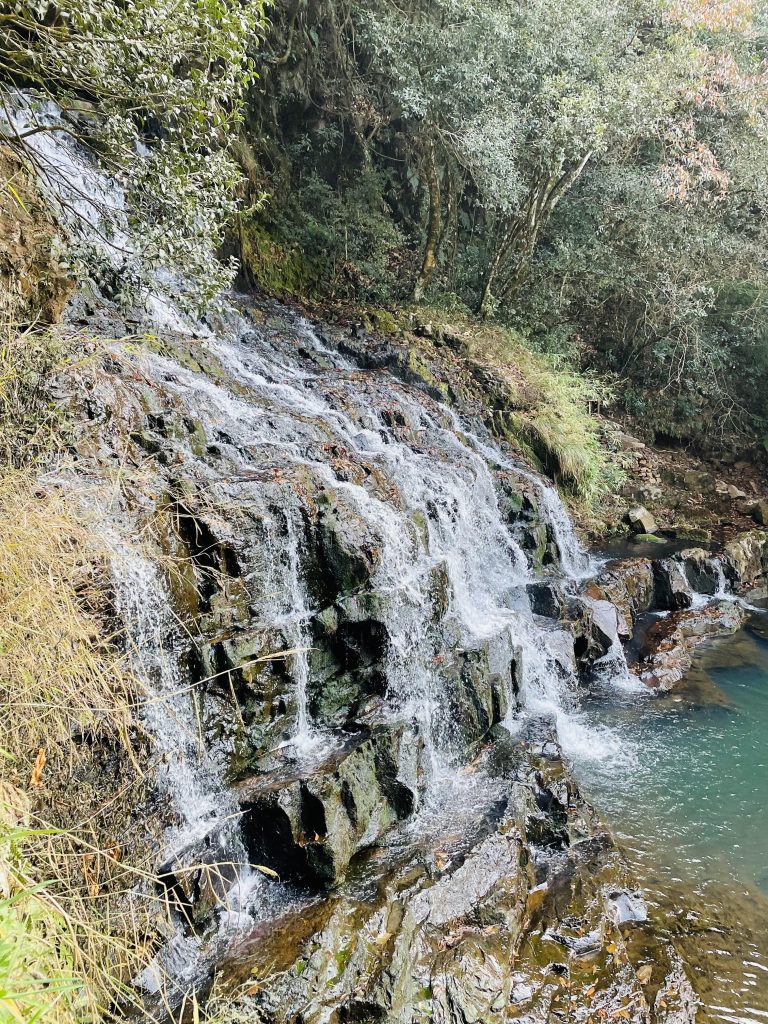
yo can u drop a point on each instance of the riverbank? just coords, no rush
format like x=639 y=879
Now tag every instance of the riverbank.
x=685 y=805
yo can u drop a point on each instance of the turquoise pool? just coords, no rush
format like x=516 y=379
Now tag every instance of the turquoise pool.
x=687 y=796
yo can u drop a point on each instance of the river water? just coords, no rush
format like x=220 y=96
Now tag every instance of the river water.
x=686 y=798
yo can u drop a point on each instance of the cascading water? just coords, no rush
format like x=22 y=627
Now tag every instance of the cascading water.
x=444 y=518
x=287 y=425
x=305 y=737
x=187 y=772
x=284 y=425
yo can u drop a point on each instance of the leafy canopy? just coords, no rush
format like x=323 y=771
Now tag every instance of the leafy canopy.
x=155 y=86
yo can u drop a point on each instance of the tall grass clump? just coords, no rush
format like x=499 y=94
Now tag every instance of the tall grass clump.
x=548 y=409
x=78 y=910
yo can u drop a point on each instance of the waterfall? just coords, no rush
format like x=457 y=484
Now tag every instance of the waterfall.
x=449 y=578
x=295 y=626
x=187 y=773
x=576 y=563
x=441 y=516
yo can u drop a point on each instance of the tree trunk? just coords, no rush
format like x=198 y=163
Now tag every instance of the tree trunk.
x=515 y=251
x=433 y=229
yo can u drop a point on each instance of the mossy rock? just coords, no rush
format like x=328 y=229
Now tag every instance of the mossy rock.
x=278 y=269
x=384 y=321
x=693 y=533
x=418 y=366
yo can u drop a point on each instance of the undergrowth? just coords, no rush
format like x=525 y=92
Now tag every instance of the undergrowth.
x=545 y=408
x=72 y=858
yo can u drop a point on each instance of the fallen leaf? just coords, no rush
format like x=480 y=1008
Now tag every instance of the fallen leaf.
x=37 y=771
x=383 y=938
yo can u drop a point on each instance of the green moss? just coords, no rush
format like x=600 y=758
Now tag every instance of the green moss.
x=382 y=320
x=541 y=407
x=279 y=269
x=342 y=959
x=163 y=347
x=419 y=367
x=693 y=534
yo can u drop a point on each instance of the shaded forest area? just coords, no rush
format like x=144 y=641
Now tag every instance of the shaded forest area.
x=591 y=175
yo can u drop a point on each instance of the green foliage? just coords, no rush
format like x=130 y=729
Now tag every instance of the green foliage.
x=593 y=175
x=281 y=270
x=340 y=238
x=544 y=406
x=37 y=983
x=155 y=87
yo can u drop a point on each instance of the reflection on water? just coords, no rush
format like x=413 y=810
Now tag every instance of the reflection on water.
x=631 y=546
x=689 y=803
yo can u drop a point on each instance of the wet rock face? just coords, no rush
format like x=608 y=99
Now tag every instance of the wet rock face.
x=670 y=644
x=747 y=556
x=630 y=586
x=536 y=917
x=307 y=829
x=673 y=591
x=34 y=288
x=293 y=549
x=703 y=571
x=546 y=599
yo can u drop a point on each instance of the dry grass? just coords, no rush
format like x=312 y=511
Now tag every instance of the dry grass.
x=68 y=745
x=59 y=672
x=29 y=421
x=81 y=911
x=549 y=409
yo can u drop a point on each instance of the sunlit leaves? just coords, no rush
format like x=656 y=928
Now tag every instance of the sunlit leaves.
x=156 y=87
x=713 y=15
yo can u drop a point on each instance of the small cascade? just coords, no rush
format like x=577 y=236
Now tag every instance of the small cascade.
x=724 y=591
x=295 y=626
x=574 y=559
x=575 y=562
x=187 y=772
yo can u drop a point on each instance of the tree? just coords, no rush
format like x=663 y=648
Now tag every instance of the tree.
x=155 y=88
x=657 y=267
